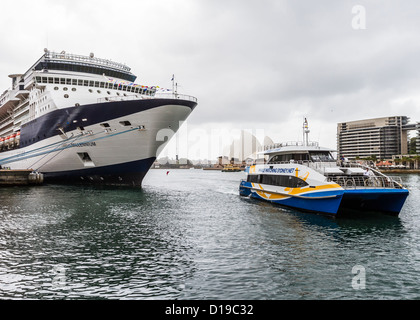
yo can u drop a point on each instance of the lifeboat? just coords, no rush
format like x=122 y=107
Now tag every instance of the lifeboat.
x=17 y=139
x=7 y=141
x=12 y=140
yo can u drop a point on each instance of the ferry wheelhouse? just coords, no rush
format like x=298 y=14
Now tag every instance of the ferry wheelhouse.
x=83 y=119
x=305 y=176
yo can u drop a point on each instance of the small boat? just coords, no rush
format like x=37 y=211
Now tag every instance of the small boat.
x=305 y=176
x=231 y=168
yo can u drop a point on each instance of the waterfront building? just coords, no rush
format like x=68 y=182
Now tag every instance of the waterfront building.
x=379 y=138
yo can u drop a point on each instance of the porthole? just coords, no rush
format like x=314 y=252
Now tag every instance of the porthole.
x=109 y=92
x=55 y=88
x=99 y=91
x=66 y=96
x=90 y=90
x=73 y=89
x=125 y=123
x=65 y=89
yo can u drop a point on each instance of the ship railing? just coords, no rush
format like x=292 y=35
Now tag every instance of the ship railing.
x=90 y=59
x=140 y=97
x=171 y=95
x=123 y=98
x=375 y=182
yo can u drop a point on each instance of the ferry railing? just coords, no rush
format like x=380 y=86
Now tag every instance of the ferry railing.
x=374 y=182
x=288 y=144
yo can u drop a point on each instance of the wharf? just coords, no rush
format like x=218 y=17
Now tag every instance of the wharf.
x=20 y=177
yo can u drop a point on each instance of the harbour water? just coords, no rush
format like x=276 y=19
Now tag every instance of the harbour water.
x=188 y=235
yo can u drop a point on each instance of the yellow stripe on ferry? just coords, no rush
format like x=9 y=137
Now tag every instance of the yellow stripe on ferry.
x=295 y=191
x=271 y=196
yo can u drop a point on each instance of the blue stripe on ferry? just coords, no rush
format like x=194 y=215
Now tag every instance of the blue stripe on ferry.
x=330 y=205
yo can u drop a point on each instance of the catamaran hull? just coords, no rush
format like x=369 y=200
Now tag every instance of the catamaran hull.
x=388 y=201
x=327 y=202
x=113 y=143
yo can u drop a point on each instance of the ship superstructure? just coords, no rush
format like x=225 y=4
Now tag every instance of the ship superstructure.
x=84 y=119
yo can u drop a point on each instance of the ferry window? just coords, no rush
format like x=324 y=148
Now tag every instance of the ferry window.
x=91 y=83
x=90 y=90
x=74 y=82
x=50 y=80
x=73 y=89
x=99 y=91
x=65 y=89
x=55 y=88
x=105 y=125
x=97 y=84
x=68 y=81
x=253 y=178
x=321 y=156
x=125 y=123
x=109 y=92
x=283 y=181
x=66 y=96
x=80 y=82
x=44 y=80
x=86 y=83
x=102 y=85
x=63 y=81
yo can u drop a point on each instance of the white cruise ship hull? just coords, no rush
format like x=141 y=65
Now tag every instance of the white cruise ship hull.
x=111 y=143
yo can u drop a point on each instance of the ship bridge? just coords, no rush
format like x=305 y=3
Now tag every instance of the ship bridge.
x=86 y=64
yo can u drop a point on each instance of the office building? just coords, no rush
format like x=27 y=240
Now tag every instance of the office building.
x=379 y=138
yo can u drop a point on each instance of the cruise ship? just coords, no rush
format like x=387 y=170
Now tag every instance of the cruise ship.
x=305 y=176
x=82 y=119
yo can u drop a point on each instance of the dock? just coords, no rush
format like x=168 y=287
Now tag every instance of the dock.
x=20 y=178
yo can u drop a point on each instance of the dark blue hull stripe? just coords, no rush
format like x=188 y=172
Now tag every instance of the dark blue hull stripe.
x=130 y=173
x=70 y=119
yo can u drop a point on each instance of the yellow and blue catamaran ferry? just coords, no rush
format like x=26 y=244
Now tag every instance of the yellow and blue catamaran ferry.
x=305 y=176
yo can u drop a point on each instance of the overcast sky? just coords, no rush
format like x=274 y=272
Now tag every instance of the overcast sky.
x=257 y=65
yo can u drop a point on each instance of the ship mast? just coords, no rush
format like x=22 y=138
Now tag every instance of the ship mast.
x=306 y=133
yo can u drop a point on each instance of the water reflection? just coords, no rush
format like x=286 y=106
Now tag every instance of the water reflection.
x=189 y=235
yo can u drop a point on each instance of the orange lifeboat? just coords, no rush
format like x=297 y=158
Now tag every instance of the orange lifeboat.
x=7 y=141
x=12 y=140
